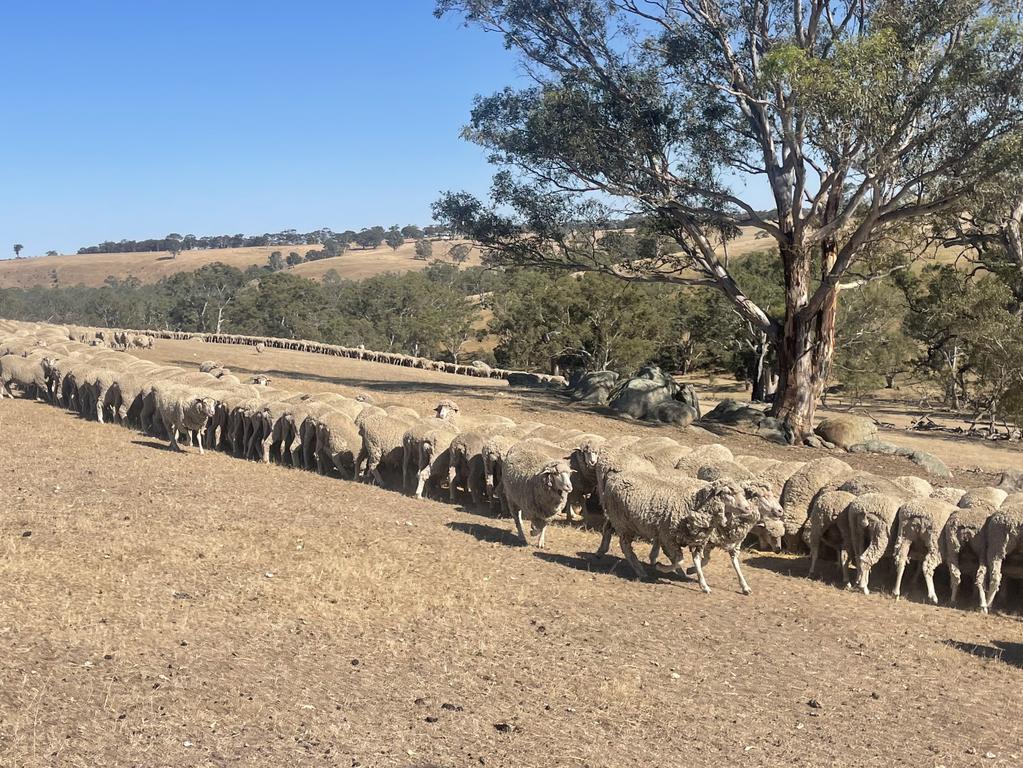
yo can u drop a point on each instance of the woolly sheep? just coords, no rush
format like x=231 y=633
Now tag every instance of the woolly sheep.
x=920 y=524
x=382 y=446
x=677 y=513
x=535 y=487
x=426 y=445
x=917 y=487
x=183 y=409
x=1003 y=533
x=209 y=365
x=28 y=373
x=988 y=499
x=828 y=523
x=466 y=466
x=704 y=454
x=800 y=489
x=963 y=550
x=951 y=495
x=872 y=518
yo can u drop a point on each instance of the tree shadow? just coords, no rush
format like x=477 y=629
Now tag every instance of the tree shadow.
x=999 y=650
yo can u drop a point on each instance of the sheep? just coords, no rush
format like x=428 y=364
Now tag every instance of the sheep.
x=183 y=409
x=209 y=365
x=951 y=495
x=676 y=513
x=260 y=347
x=466 y=465
x=382 y=445
x=917 y=487
x=1003 y=534
x=704 y=454
x=337 y=442
x=799 y=491
x=143 y=341
x=426 y=445
x=872 y=515
x=963 y=549
x=828 y=523
x=28 y=373
x=920 y=525
x=534 y=486
x=988 y=498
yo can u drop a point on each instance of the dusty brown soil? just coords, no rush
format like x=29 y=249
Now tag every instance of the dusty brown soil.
x=183 y=610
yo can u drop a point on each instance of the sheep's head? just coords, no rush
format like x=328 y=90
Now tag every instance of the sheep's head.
x=764 y=500
x=204 y=407
x=446 y=409
x=589 y=451
x=770 y=534
x=363 y=397
x=726 y=501
x=261 y=380
x=557 y=476
x=221 y=372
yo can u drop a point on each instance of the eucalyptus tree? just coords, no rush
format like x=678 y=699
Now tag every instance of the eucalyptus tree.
x=851 y=116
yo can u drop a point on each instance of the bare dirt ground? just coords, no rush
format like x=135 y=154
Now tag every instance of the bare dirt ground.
x=183 y=610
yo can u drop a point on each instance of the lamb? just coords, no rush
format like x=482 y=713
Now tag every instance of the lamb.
x=1003 y=533
x=677 y=513
x=963 y=550
x=920 y=525
x=535 y=487
x=872 y=515
x=183 y=409
x=799 y=491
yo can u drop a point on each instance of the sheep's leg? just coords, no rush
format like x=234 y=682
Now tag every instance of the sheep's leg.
x=423 y=475
x=625 y=543
x=359 y=460
x=377 y=475
x=541 y=541
x=994 y=584
x=266 y=444
x=843 y=566
x=676 y=555
x=201 y=434
x=698 y=563
x=815 y=546
x=954 y=574
x=981 y=578
x=406 y=469
x=518 y=524
x=605 y=539
x=930 y=564
x=734 y=555
x=901 y=556
x=655 y=551
x=452 y=475
x=174 y=438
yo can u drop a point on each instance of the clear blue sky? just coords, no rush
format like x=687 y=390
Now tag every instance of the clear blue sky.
x=137 y=118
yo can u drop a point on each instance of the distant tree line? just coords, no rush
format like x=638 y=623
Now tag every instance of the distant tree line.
x=370 y=237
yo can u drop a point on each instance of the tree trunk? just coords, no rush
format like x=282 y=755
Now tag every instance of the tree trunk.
x=805 y=351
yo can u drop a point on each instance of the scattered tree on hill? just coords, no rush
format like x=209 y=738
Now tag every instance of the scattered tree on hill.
x=52 y=253
x=295 y=258
x=18 y=247
x=859 y=117
x=394 y=238
x=370 y=238
x=411 y=232
x=424 y=249
x=459 y=253
x=276 y=261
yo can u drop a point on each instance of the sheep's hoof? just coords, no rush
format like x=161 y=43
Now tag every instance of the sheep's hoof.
x=706 y=590
x=898 y=597
x=865 y=590
x=746 y=591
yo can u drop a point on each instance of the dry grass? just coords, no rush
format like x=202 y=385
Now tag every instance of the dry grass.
x=93 y=269
x=186 y=610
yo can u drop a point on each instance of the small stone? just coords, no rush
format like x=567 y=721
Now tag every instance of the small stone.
x=875 y=695
x=269 y=574
x=355 y=662
x=184 y=643
x=990 y=755
x=815 y=704
x=421 y=702
x=108 y=656
x=26 y=534
x=451 y=707
x=504 y=727
x=186 y=743
x=675 y=676
x=431 y=718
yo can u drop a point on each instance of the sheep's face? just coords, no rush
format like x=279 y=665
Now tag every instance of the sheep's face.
x=446 y=409
x=221 y=372
x=764 y=501
x=770 y=533
x=362 y=397
x=558 y=477
x=729 y=500
x=206 y=406
x=589 y=452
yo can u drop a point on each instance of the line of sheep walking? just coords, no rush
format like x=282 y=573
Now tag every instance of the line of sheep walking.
x=674 y=497
x=126 y=339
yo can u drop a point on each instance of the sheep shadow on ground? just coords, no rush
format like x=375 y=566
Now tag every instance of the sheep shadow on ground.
x=588 y=562
x=487 y=533
x=999 y=650
x=162 y=445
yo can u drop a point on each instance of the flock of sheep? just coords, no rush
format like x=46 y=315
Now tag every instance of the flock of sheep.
x=675 y=497
x=115 y=338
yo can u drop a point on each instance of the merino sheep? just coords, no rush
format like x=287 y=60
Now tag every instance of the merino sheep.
x=466 y=466
x=382 y=446
x=1003 y=539
x=534 y=487
x=799 y=491
x=920 y=524
x=828 y=523
x=964 y=551
x=872 y=518
x=678 y=513
x=28 y=373
x=426 y=445
x=951 y=495
x=988 y=499
x=209 y=365
x=182 y=409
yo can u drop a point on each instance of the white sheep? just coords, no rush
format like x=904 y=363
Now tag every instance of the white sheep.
x=535 y=485
x=1003 y=533
x=800 y=490
x=183 y=409
x=920 y=525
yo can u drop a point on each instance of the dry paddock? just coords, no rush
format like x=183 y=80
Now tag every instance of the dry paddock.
x=183 y=610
